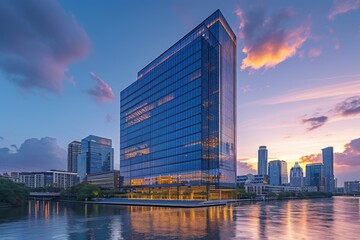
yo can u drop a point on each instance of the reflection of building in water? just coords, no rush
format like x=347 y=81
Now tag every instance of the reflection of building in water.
x=182 y=223
x=178 y=120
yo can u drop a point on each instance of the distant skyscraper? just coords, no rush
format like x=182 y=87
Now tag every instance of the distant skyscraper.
x=262 y=160
x=315 y=176
x=178 y=120
x=97 y=155
x=296 y=176
x=278 y=172
x=74 y=149
x=328 y=161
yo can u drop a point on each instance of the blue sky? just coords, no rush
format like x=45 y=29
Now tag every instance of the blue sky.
x=63 y=65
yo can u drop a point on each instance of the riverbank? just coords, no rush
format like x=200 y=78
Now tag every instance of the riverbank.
x=179 y=203
x=153 y=203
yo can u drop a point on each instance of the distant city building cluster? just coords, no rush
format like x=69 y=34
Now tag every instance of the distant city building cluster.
x=319 y=176
x=90 y=160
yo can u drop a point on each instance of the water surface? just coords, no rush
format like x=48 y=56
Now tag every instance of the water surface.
x=330 y=218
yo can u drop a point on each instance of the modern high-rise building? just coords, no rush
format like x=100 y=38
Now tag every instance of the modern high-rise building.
x=262 y=160
x=178 y=120
x=74 y=149
x=328 y=161
x=97 y=155
x=296 y=176
x=278 y=172
x=315 y=176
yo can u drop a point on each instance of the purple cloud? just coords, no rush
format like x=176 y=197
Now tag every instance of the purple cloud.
x=350 y=157
x=268 y=41
x=315 y=122
x=102 y=92
x=244 y=168
x=38 y=42
x=34 y=155
x=343 y=6
x=349 y=107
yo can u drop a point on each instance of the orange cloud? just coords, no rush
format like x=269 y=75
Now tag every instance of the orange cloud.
x=266 y=43
x=309 y=159
x=343 y=6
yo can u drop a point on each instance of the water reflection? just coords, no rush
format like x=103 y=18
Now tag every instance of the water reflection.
x=336 y=218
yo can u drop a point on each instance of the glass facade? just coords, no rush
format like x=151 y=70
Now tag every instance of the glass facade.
x=278 y=172
x=97 y=155
x=328 y=161
x=262 y=160
x=177 y=121
x=74 y=149
x=315 y=176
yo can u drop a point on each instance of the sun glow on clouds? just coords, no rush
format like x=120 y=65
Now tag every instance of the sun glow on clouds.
x=266 y=42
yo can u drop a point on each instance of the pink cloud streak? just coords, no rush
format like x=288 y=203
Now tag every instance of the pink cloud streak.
x=343 y=6
x=102 y=92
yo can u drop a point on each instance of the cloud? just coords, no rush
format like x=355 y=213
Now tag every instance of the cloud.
x=108 y=118
x=266 y=42
x=244 y=168
x=1 y=138
x=349 y=107
x=349 y=157
x=102 y=92
x=343 y=6
x=38 y=42
x=315 y=122
x=34 y=155
x=315 y=52
x=340 y=89
x=309 y=159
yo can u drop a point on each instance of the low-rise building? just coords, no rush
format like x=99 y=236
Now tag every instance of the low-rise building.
x=55 y=178
x=10 y=177
x=264 y=189
x=110 y=179
x=352 y=187
x=251 y=179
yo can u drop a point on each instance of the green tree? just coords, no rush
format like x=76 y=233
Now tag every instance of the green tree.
x=13 y=193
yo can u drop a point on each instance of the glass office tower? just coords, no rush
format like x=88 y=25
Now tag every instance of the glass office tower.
x=74 y=149
x=278 y=172
x=328 y=161
x=262 y=160
x=178 y=120
x=315 y=176
x=97 y=155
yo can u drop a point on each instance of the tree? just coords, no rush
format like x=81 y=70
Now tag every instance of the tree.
x=13 y=193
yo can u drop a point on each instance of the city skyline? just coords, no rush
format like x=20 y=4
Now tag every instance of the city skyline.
x=299 y=98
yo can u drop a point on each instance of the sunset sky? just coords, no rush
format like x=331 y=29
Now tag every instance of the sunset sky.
x=63 y=65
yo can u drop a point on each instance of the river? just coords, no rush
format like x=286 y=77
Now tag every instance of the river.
x=326 y=218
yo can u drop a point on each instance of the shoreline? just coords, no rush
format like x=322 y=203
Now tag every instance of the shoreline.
x=179 y=203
